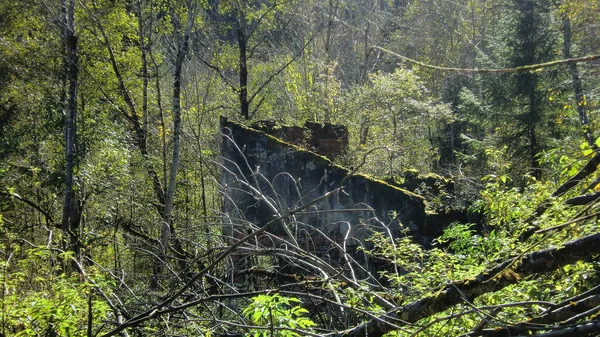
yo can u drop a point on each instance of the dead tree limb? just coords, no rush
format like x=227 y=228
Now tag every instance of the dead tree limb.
x=542 y=261
x=584 y=329
x=155 y=311
x=37 y=207
x=546 y=320
x=583 y=199
x=590 y=167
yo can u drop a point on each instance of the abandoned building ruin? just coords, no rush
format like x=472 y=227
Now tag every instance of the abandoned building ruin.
x=289 y=167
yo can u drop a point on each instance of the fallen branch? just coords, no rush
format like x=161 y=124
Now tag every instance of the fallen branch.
x=45 y=213
x=590 y=167
x=504 y=274
x=562 y=314
x=155 y=311
x=583 y=199
x=584 y=329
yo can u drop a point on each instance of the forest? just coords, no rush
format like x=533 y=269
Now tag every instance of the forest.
x=111 y=197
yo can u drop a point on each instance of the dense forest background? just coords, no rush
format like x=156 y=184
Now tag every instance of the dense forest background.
x=110 y=202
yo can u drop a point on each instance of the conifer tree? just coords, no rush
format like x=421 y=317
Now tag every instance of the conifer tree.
x=521 y=115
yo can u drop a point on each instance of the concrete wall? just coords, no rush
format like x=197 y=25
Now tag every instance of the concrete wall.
x=290 y=176
x=326 y=139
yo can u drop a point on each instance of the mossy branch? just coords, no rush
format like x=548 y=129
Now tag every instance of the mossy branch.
x=530 y=67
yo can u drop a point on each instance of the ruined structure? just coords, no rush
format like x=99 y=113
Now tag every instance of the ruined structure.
x=265 y=177
x=326 y=139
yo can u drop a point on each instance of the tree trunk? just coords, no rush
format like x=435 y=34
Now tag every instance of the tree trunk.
x=243 y=64
x=533 y=119
x=366 y=55
x=577 y=85
x=329 y=64
x=144 y=51
x=167 y=229
x=71 y=68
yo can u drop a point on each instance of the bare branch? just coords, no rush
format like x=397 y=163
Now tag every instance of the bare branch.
x=45 y=213
x=220 y=72
x=282 y=68
x=155 y=311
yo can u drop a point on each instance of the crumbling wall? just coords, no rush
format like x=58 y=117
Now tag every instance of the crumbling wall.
x=325 y=139
x=290 y=176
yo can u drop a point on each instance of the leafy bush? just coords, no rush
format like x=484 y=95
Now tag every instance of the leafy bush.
x=278 y=315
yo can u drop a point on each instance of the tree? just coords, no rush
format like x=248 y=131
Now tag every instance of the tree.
x=450 y=288
x=516 y=104
x=526 y=83
x=566 y=11
x=71 y=212
x=247 y=28
x=395 y=113
x=182 y=37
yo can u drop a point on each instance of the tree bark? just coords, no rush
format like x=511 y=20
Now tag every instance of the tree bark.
x=167 y=229
x=577 y=84
x=243 y=63
x=71 y=68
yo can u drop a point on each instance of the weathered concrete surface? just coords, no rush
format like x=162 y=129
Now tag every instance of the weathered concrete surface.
x=290 y=176
x=325 y=139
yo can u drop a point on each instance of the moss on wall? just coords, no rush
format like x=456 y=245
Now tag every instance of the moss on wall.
x=289 y=176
